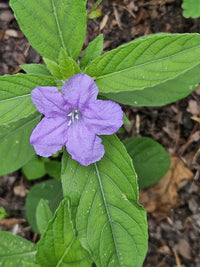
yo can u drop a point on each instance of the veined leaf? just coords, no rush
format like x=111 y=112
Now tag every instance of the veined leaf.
x=145 y=62
x=38 y=69
x=59 y=246
x=15 y=148
x=191 y=8
x=161 y=94
x=43 y=215
x=65 y=68
x=68 y=66
x=51 y=25
x=92 y=51
x=54 y=68
x=14 y=250
x=110 y=223
x=50 y=191
x=15 y=100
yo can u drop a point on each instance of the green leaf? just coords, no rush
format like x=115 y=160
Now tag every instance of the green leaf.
x=93 y=50
x=62 y=247
x=37 y=69
x=50 y=191
x=15 y=148
x=160 y=94
x=53 y=168
x=34 y=169
x=95 y=5
x=28 y=264
x=14 y=250
x=94 y=14
x=66 y=68
x=126 y=120
x=150 y=159
x=191 y=8
x=54 y=68
x=51 y=25
x=3 y=213
x=104 y=199
x=43 y=215
x=15 y=100
x=145 y=62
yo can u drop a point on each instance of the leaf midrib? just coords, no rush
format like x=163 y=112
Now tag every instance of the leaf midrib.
x=146 y=63
x=58 y=25
x=30 y=86
x=15 y=97
x=19 y=128
x=65 y=252
x=18 y=254
x=106 y=207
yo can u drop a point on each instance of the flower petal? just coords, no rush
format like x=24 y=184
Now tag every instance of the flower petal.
x=49 y=101
x=80 y=90
x=83 y=145
x=103 y=117
x=49 y=136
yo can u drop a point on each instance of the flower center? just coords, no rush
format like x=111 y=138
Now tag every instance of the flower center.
x=73 y=116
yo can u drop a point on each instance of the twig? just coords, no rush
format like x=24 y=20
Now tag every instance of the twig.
x=178 y=261
x=156 y=2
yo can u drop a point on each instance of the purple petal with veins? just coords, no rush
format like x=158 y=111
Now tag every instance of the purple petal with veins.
x=74 y=119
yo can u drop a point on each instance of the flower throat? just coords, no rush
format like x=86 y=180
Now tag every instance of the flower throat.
x=74 y=116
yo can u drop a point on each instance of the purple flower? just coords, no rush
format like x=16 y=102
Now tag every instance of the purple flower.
x=74 y=118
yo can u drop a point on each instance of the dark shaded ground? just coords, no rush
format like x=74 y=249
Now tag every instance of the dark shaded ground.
x=174 y=236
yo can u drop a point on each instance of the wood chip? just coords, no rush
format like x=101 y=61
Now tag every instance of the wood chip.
x=193 y=107
x=11 y=33
x=20 y=190
x=195 y=119
x=6 y=16
x=11 y=222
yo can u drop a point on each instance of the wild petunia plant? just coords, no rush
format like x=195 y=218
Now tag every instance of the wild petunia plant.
x=89 y=213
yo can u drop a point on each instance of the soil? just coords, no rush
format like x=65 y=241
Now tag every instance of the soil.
x=174 y=235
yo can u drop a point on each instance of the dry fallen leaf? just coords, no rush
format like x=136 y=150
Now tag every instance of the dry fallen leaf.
x=163 y=196
x=103 y=22
x=117 y=17
x=197 y=119
x=184 y=249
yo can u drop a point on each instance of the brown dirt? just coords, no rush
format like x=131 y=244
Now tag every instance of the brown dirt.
x=174 y=235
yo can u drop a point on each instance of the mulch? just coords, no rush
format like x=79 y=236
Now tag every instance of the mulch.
x=174 y=236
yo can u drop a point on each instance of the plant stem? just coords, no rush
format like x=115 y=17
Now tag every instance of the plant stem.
x=98 y=2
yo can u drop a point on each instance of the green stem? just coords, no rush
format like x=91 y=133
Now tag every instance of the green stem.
x=98 y=2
